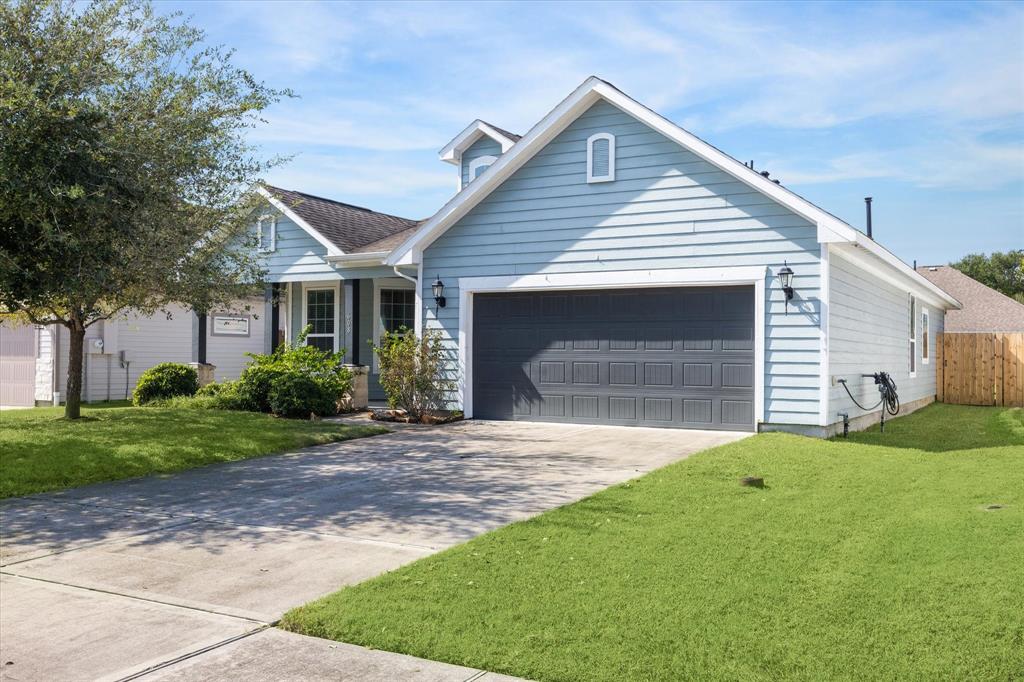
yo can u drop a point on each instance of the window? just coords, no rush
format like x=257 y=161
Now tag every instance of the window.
x=320 y=316
x=479 y=165
x=397 y=309
x=266 y=233
x=601 y=157
x=913 y=337
x=924 y=336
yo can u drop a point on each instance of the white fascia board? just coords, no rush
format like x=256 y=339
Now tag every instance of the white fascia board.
x=859 y=255
x=355 y=260
x=452 y=152
x=923 y=283
x=332 y=249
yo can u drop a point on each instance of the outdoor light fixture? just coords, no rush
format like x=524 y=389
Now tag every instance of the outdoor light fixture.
x=438 y=288
x=786 y=280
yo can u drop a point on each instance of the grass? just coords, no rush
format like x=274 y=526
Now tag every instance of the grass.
x=871 y=558
x=40 y=450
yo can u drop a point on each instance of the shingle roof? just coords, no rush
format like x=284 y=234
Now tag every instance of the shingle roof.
x=511 y=136
x=984 y=309
x=350 y=228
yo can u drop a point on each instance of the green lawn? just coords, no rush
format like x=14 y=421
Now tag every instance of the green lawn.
x=39 y=450
x=872 y=558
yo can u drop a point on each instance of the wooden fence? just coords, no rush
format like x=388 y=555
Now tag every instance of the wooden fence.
x=980 y=369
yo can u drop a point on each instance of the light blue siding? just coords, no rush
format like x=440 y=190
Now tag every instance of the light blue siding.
x=667 y=208
x=485 y=146
x=869 y=331
x=298 y=256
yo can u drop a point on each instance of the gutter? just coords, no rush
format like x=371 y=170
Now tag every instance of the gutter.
x=358 y=260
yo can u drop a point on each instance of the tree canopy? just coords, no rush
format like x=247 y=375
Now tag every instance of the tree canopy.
x=1003 y=272
x=125 y=165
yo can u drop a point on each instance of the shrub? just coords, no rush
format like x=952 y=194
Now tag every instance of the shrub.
x=295 y=394
x=255 y=382
x=324 y=368
x=166 y=380
x=412 y=372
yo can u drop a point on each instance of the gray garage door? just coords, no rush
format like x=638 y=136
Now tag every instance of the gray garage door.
x=679 y=357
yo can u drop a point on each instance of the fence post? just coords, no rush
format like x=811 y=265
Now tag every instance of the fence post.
x=997 y=364
x=940 y=381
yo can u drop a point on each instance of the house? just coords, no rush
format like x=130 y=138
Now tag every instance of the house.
x=608 y=267
x=983 y=309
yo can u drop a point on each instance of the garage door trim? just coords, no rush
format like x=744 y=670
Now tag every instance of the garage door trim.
x=620 y=279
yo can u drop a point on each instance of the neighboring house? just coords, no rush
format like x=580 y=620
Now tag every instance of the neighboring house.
x=983 y=309
x=609 y=267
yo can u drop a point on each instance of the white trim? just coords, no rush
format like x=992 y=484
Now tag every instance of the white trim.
x=591 y=178
x=273 y=233
x=487 y=161
x=357 y=260
x=419 y=301
x=335 y=287
x=824 y=318
x=863 y=259
x=830 y=228
x=378 y=327
x=926 y=336
x=452 y=152
x=332 y=249
x=618 y=279
x=912 y=339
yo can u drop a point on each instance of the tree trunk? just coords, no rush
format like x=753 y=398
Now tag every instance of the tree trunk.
x=73 y=399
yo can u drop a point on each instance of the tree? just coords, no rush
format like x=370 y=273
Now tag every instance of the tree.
x=1004 y=272
x=124 y=164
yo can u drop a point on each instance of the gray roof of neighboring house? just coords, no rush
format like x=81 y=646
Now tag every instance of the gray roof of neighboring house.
x=984 y=309
x=351 y=228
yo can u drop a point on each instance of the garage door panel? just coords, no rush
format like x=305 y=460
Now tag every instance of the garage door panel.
x=678 y=357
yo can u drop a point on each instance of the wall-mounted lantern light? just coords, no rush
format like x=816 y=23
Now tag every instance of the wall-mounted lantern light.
x=438 y=288
x=786 y=280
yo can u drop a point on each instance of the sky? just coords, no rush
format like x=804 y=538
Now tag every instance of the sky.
x=919 y=105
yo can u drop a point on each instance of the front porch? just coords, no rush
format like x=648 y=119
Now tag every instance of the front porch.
x=345 y=315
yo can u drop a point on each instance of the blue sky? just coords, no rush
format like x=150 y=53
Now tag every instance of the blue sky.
x=920 y=105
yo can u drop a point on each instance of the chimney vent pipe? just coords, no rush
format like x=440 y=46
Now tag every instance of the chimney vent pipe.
x=867 y=208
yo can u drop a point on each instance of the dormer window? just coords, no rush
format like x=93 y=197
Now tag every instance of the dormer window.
x=601 y=157
x=266 y=233
x=479 y=165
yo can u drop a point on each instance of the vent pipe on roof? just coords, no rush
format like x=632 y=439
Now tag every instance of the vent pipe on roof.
x=867 y=208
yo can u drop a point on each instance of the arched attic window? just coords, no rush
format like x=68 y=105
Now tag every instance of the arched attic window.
x=479 y=165
x=601 y=157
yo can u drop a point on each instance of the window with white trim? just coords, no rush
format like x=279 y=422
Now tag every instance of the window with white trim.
x=925 y=340
x=320 y=311
x=601 y=157
x=478 y=165
x=913 y=336
x=266 y=233
x=397 y=309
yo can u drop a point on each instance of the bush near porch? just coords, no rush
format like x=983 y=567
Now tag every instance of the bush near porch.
x=878 y=557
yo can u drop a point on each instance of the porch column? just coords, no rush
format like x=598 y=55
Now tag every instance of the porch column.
x=275 y=316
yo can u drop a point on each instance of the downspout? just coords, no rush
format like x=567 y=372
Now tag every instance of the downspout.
x=404 y=276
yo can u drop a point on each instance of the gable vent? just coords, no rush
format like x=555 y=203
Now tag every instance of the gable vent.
x=601 y=157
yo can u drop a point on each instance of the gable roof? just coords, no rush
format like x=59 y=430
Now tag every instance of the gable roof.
x=983 y=309
x=830 y=228
x=342 y=228
x=452 y=152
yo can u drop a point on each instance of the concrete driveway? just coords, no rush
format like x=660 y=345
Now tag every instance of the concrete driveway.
x=179 y=576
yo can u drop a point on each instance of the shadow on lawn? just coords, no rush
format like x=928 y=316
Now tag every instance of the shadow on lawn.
x=429 y=488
